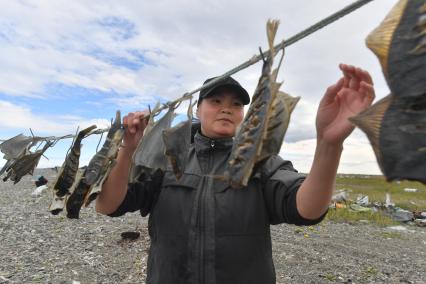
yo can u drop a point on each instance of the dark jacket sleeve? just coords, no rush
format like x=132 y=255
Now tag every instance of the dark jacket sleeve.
x=280 y=185
x=140 y=196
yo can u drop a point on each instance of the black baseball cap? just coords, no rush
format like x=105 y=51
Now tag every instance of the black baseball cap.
x=228 y=83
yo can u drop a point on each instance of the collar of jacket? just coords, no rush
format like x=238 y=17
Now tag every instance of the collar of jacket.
x=205 y=144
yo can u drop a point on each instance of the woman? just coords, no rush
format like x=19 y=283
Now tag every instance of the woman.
x=203 y=231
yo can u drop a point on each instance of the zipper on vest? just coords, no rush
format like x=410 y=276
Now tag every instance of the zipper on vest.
x=212 y=143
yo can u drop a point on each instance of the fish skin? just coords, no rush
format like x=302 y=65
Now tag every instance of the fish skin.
x=399 y=137
x=100 y=163
x=75 y=201
x=16 y=147
x=177 y=141
x=66 y=176
x=278 y=121
x=25 y=164
x=149 y=155
x=251 y=135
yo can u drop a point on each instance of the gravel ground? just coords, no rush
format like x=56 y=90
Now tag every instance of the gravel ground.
x=37 y=247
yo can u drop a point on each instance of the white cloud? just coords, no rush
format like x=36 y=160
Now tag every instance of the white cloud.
x=177 y=45
x=357 y=156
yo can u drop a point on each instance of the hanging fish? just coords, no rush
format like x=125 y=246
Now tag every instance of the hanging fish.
x=177 y=141
x=149 y=155
x=16 y=147
x=138 y=171
x=103 y=160
x=58 y=203
x=67 y=174
x=396 y=125
x=278 y=120
x=25 y=164
x=77 y=197
x=249 y=140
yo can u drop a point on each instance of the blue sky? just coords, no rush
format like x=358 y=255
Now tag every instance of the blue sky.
x=69 y=64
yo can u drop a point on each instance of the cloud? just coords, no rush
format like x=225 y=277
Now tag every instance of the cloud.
x=357 y=156
x=130 y=54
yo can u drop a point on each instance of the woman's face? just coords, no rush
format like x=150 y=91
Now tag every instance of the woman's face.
x=220 y=114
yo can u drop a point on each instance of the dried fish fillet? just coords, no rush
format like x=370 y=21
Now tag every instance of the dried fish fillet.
x=67 y=174
x=16 y=147
x=177 y=141
x=59 y=202
x=278 y=121
x=25 y=164
x=69 y=169
x=101 y=163
x=251 y=135
x=76 y=199
x=149 y=156
x=396 y=126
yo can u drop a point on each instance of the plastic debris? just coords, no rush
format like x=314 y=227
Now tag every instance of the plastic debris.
x=388 y=202
x=401 y=215
x=358 y=208
x=38 y=191
x=362 y=200
x=410 y=189
x=420 y=222
x=339 y=197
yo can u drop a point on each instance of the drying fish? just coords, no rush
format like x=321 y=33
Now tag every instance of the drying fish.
x=58 y=203
x=278 y=120
x=101 y=164
x=25 y=164
x=138 y=171
x=77 y=197
x=104 y=160
x=16 y=147
x=250 y=137
x=69 y=169
x=177 y=141
x=396 y=126
x=67 y=174
x=149 y=155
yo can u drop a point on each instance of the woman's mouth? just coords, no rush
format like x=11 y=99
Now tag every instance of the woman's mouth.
x=226 y=120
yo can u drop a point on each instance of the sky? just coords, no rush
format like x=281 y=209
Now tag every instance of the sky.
x=70 y=64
